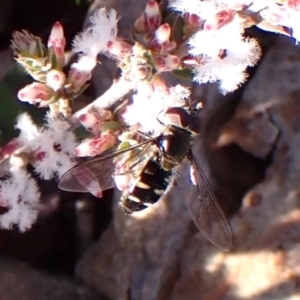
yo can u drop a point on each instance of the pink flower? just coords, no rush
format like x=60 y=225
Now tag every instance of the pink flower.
x=36 y=93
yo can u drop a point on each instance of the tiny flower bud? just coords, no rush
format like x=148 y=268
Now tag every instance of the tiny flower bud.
x=119 y=49
x=192 y=24
x=96 y=145
x=57 y=42
x=36 y=93
x=162 y=34
x=91 y=122
x=80 y=72
x=166 y=62
x=152 y=16
x=219 y=20
x=55 y=79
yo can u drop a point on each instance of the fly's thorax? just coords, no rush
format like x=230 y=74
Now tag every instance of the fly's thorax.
x=174 y=145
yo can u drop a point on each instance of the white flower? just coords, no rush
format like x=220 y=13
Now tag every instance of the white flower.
x=86 y=42
x=203 y=9
x=51 y=146
x=20 y=195
x=224 y=55
x=94 y=39
x=230 y=69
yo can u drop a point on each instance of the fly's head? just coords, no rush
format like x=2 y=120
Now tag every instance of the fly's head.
x=184 y=118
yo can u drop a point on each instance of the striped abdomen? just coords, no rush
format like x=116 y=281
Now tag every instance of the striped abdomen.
x=153 y=183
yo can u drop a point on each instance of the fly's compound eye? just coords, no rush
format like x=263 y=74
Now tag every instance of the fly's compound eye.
x=178 y=116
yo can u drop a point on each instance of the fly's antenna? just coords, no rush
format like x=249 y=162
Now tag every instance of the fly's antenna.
x=157 y=118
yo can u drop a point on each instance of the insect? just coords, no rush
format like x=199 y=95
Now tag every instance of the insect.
x=145 y=171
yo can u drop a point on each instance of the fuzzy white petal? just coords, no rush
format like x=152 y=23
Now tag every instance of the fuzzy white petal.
x=94 y=39
x=20 y=195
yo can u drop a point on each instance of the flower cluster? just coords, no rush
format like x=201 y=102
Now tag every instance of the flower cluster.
x=204 y=41
x=53 y=88
x=49 y=149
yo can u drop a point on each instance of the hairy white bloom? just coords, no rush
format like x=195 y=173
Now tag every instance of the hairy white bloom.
x=230 y=69
x=86 y=43
x=105 y=22
x=94 y=39
x=222 y=52
x=20 y=196
x=203 y=9
x=51 y=146
x=210 y=42
x=235 y=4
x=28 y=130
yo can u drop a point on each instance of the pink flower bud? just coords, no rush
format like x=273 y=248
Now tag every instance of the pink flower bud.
x=222 y=18
x=119 y=49
x=91 y=122
x=57 y=42
x=152 y=16
x=96 y=145
x=192 y=21
x=192 y=24
x=55 y=79
x=162 y=34
x=166 y=62
x=36 y=93
x=80 y=72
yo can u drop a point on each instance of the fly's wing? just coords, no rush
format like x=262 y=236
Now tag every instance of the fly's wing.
x=97 y=174
x=206 y=211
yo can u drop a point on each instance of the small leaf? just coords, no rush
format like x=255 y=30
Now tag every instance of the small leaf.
x=183 y=74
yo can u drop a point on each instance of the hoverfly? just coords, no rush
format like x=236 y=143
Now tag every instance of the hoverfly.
x=146 y=171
